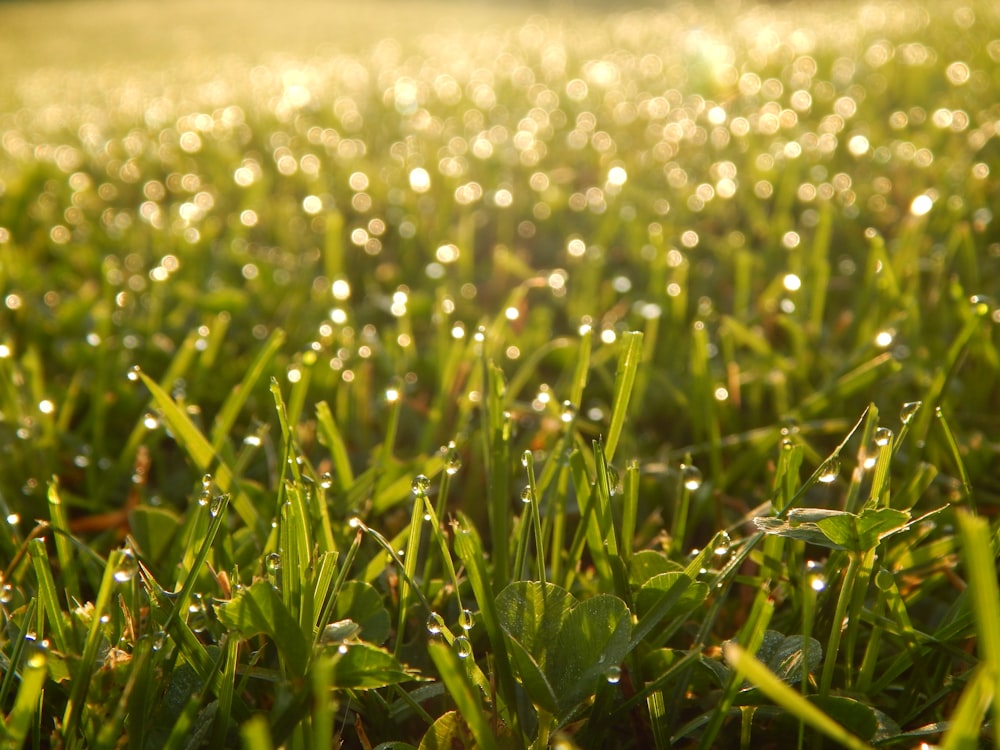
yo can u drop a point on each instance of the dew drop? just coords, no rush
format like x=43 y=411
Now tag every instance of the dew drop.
x=6 y=593
x=272 y=562
x=526 y=459
x=691 y=477
x=159 y=640
x=568 y=413
x=206 y=481
x=326 y=480
x=613 y=674
x=463 y=647
x=435 y=623
x=981 y=304
x=127 y=567
x=356 y=523
x=36 y=657
x=218 y=502
x=830 y=470
x=723 y=544
x=421 y=484
x=909 y=410
x=882 y=436
x=204 y=498
x=452 y=459
x=817 y=582
x=527 y=495
x=466 y=620
x=150 y=421
x=133 y=373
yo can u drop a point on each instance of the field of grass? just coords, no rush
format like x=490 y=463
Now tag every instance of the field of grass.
x=552 y=381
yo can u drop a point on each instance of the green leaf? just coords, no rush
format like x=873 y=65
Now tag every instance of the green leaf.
x=360 y=602
x=154 y=530
x=448 y=732
x=365 y=666
x=258 y=609
x=837 y=529
x=651 y=592
x=562 y=648
x=864 y=531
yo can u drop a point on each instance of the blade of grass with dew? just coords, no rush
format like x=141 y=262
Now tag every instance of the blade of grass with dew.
x=47 y=593
x=333 y=439
x=497 y=436
x=200 y=451
x=76 y=705
x=464 y=693
x=469 y=548
x=222 y=427
x=68 y=565
x=628 y=365
x=753 y=670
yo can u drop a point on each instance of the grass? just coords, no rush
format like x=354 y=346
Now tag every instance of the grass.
x=575 y=382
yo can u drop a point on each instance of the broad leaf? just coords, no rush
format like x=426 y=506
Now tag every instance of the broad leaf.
x=359 y=601
x=258 y=609
x=362 y=665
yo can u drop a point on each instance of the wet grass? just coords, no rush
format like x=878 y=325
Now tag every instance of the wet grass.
x=576 y=381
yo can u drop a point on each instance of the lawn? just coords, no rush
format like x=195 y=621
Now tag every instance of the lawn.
x=442 y=375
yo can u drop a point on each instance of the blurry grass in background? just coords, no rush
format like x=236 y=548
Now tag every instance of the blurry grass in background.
x=543 y=359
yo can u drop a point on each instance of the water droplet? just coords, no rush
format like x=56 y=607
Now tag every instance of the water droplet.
x=884 y=580
x=526 y=459
x=272 y=562
x=466 y=620
x=215 y=507
x=159 y=640
x=127 y=567
x=723 y=543
x=830 y=470
x=452 y=459
x=206 y=481
x=326 y=480
x=527 y=495
x=480 y=335
x=814 y=575
x=150 y=421
x=909 y=410
x=613 y=674
x=421 y=484
x=463 y=647
x=981 y=304
x=614 y=481
x=6 y=593
x=356 y=523
x=133 y=373
x=36 y=657
x=882 y=436
x=691 y=477
x=435 y=623
x=204 y=498
x=568 y=413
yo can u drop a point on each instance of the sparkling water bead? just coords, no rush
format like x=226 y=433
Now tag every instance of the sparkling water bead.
x=882 y=436
x=691 y=476
x=435 y=623
x=613 y=675
x=420 y=486
x=272 y=562
x=128 y=566
x=452 y=459
x=466 y=620
x=527 y=495
x=909 y=410
x=830 y=470
x=463 y=647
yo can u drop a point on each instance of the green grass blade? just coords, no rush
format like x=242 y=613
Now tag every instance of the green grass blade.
x=628 y=366
x=26 y=703
x=980 y=563
x=464 y=693
x=47 y=593
x=753 y=670
x=223 y=426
